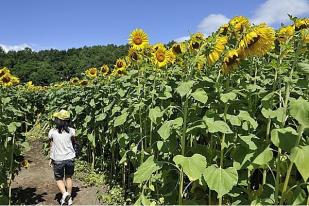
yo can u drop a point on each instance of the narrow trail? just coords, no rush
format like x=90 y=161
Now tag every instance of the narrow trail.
x=36 y=185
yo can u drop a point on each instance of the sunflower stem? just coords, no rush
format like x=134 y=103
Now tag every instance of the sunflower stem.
x=183 y=146
x=288 y=174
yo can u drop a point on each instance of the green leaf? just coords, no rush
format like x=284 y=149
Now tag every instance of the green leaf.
x=234 y=120
x=184 y=88
x=284 y=138
x=176 y=123
x=12 y=127
x=87 y=118
x=299 y=109
x=227 y=97
x=200 y=95
x=263 y=157
x=26 y=146
x=100 y=117
x=154 y=114
x=193 y=166
x=120 y=120
x=220 y=180
x=304 y=67
x=92 y=103
x=300 y=156
x=268 y=113
x=5 y=100
x=217 y=126
x=279 y=114
x=79 y=109
x=146 y=169
x=165 y=130
x=91 y=139
x=245 y=116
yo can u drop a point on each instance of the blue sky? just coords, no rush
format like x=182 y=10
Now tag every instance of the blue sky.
x=63 y=24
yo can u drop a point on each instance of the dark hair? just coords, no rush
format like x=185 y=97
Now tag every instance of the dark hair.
x=62 y=125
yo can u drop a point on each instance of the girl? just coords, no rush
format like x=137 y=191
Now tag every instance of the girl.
x=62 y=154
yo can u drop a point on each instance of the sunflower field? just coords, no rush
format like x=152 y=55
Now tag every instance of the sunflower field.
x=222 y=119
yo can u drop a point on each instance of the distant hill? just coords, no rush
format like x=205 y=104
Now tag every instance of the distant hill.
x=48 y=66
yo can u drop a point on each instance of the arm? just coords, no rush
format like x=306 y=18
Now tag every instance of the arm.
x=50 y=139
x=50 y=146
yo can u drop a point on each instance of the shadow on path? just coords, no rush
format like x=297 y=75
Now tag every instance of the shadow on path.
x=27 y=196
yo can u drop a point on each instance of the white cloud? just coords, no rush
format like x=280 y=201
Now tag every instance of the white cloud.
x=181 y=39
x=276 y=11
x=211 y=23
x=18 y=47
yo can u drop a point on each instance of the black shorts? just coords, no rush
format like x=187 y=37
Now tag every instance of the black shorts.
x=64 y=168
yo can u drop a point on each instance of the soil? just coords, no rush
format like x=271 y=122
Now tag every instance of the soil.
x=36 y=184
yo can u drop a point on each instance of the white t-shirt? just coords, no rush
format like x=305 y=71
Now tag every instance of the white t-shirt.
x=61 y=147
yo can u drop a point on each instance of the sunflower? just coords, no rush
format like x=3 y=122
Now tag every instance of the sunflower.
x=74 y=80
x=138 y=39
x=200 y=62
x=25 y=164
x=239 y=24
x=104 y=70
x=157 y=46
x=196 y=40
x=4 y=71
x=305 y=36
x=285 y=33
x=92 y=72
x=171 y=56
x=133 y=55
x=258 y=41
x=214 y=55
x=120 y=72
x=8 y=80
x=301 y=24
x=223 y=29
x=120 y=64
x=230 y=61
x=83 y=82
x=161 y=56
x=29 y=84
x=179 y=48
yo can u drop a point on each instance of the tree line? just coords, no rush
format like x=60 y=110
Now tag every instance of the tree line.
x=49 y=66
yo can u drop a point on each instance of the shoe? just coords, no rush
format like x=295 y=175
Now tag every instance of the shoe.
x=65 y=197
x=70 y=201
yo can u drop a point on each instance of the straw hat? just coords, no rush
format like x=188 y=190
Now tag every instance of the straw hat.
x=63 y=115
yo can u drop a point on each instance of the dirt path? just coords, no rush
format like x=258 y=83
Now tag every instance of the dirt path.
x=36 y=185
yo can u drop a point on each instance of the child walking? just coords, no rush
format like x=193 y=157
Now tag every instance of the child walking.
x=62 y=154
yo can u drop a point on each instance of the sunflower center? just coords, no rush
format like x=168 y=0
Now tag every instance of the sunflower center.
x=134 y=56
x=195 y=45
x=103 y=70
x=75 y=81
x=2 y=73
x=254 y=40
x=300 y=27
x=232 y=60
x=6 y=79
x=160 y=56
x=119 y=72
x=138 y=40
x=93 y=72
x=119 y=64
x=177 y=49
x=84 y=82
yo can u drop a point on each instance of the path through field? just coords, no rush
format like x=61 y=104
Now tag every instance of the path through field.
x=36 y=184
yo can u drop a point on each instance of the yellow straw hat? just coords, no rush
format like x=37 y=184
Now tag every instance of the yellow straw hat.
x=63 y=115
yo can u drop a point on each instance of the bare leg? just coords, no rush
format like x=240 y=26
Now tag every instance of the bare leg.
x=61 y=186
x=69 y=184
